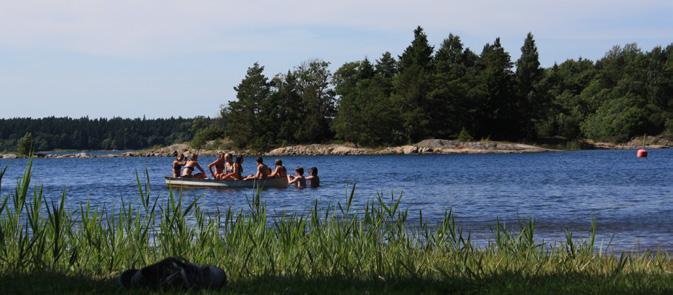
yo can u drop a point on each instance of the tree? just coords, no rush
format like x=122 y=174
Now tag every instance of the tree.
x=531 y=106
x=413 y=86
x=243 y=115
x=494 y=94
x=289 y=101
x=25 y=144
x=348 y=117
x=448 y=110
x=317 y=107
x=365 y=115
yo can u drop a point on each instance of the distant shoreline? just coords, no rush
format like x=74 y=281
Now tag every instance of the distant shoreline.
x=428 y=146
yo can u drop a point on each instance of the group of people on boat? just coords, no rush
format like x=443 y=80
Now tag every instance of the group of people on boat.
x=225 y=167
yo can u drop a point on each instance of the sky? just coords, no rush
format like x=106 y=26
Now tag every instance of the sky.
x=163 y=58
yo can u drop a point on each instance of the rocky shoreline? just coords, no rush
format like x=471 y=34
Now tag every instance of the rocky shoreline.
x=428 y=146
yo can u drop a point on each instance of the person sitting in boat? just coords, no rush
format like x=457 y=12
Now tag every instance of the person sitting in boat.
x=236 y=172
x=279 y=170
x=228 y=163
x=178 y=163
x=219 y=164
x=298 y=179
x=262 y=170
x=313 y=177
x=192 y=164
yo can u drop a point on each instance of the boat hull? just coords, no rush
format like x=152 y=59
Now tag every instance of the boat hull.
x=210 y=183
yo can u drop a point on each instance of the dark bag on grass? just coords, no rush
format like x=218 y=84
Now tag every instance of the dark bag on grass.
x=174 y=273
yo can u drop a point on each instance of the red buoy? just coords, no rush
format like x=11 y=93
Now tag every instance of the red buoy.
x=641 y=153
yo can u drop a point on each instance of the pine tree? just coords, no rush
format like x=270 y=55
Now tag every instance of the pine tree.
x=529 y=74
x=449 y=109
x=243 y=114
x=348 y=120
x=496 y=100
x=413 y=85
x=287 y=103
x=318 y=101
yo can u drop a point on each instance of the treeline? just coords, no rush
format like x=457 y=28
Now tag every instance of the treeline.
x=84 y=133
x=452 y=92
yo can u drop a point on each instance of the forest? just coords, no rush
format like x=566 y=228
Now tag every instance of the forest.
x=454 y=92
x=84 y=133
x=449 y=92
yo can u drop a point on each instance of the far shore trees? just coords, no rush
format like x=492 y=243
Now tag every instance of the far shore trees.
x=452 y=92
x=448 y=91
x=89 y=134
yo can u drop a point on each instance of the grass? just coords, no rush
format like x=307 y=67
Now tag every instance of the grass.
x=46 y=248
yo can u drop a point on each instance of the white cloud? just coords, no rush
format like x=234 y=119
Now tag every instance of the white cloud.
x=146 y=28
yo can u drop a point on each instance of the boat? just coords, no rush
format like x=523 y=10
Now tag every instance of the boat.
x=211 y=183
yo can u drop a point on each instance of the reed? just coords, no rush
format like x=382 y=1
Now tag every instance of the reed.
x=375 y=245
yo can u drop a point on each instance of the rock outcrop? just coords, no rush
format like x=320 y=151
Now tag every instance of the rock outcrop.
x=650 y=142
x=428 y=146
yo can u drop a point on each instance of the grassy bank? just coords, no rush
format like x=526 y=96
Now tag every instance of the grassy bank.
x=46 y=248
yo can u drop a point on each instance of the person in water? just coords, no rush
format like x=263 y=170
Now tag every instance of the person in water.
x=219 y=164
x=192 y=164
x=262 y=170
x=279 y=170
x=298 y=179
x=236 y=172
x=178 y=163
x=313 y=177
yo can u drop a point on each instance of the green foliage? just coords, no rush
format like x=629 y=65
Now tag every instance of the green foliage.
x=84 y=133
x=366 y=114
x=449 y=105
x=437 y=94
x=245 y=116
x=25 y=144
x=295 y=108
x=318 y=102
x=497 y=113
x=532 y=104
x=617 y=121
x=412 y=87
x=202 y=136
x=464 y=135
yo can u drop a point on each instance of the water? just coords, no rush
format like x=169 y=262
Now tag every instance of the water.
x=629 y=198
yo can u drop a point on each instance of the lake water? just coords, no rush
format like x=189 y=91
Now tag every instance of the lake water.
x=629 y=198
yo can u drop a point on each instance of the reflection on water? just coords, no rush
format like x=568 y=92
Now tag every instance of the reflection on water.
x=629 y=197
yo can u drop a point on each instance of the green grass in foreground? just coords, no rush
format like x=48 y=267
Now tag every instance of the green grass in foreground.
x=45 y=248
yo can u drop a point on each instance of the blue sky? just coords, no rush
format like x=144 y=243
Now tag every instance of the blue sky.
x=164 y=58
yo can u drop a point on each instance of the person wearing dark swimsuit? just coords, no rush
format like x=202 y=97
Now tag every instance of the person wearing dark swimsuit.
x=192 y=164
x=313 y=177
x=178 y=163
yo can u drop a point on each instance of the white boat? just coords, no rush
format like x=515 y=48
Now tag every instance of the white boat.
x=210 y=183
